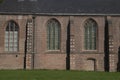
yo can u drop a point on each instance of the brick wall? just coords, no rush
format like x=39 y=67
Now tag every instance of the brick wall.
x=76 y=25
x=80 y=59
x=12 y=60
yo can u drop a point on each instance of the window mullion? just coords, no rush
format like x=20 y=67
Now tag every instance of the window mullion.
x=13 y=37
x=9 y=36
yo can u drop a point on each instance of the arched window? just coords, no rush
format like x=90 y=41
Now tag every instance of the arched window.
x=53 y=35
x=90 y=34
x=11 y=37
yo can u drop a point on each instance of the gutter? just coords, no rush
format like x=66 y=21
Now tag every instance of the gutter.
x=59 y=14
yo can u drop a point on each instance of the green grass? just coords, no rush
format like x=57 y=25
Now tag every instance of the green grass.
x=56 y=75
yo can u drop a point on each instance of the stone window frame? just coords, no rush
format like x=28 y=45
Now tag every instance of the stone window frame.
x=57 y=36
x=90 y=39
x=11 y=37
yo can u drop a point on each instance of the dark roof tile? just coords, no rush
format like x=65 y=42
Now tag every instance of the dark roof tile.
x=61 y=6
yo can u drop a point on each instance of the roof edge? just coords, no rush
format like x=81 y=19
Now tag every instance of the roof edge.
x=59 y=14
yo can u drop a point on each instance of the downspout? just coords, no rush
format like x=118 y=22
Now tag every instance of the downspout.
x=33 y=51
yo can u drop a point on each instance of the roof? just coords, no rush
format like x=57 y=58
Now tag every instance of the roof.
x=60 y=7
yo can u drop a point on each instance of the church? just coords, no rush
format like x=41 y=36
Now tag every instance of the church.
x=60 y=34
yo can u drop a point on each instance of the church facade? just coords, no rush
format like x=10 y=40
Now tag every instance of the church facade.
x=56 y=39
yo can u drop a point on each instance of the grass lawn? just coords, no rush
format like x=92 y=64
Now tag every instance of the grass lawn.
x=56 y=75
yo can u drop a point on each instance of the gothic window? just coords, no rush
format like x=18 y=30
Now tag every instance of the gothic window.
x=90 y=34
x=53 y=35
x=11 y=37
